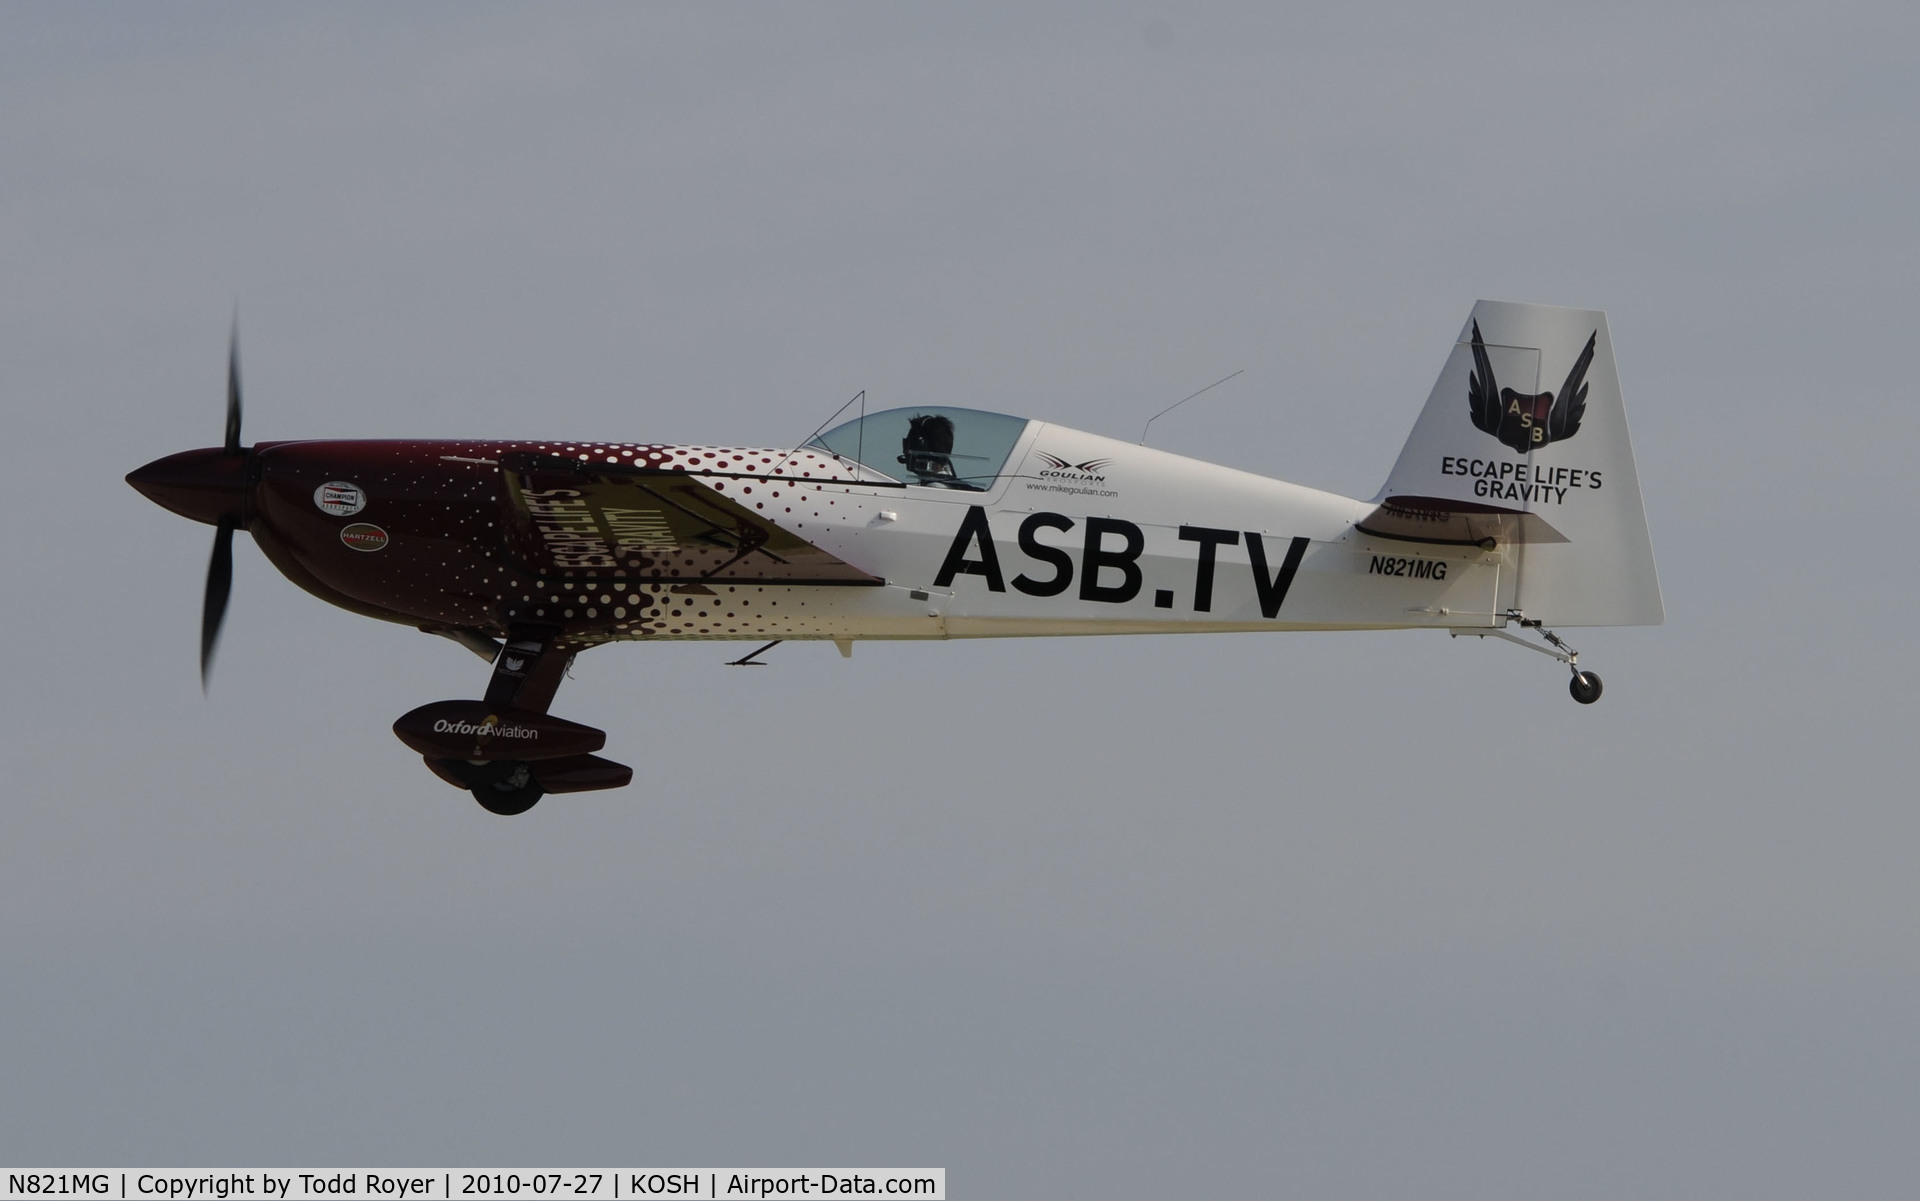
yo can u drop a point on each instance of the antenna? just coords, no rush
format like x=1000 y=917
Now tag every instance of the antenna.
x=1184 y=399
x=860 y=396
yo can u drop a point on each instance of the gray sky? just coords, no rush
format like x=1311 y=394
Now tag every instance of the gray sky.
x=1321 y=915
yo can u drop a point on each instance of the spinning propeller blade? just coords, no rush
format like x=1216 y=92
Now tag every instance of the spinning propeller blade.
x=219 y=584
x=232 y=442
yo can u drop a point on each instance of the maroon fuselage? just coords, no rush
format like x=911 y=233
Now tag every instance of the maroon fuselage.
x=525 y=553
x=425 y=547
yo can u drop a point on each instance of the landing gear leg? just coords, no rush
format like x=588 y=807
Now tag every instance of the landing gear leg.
x=1585 y=685
x=526 y=674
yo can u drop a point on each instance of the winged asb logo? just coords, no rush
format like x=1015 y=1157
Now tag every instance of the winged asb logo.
x=1521 y=420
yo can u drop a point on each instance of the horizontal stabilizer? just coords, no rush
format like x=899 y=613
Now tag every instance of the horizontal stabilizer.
x=1436 y=519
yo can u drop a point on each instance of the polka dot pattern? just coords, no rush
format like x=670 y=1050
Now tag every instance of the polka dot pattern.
x=450 y=561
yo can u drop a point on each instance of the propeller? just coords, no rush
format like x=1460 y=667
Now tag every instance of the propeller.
x=220 y=567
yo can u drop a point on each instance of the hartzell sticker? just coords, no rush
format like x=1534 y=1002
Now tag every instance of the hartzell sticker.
x=361 y=536
x=339 y=498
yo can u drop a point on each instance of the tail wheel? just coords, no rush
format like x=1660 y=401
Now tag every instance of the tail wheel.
x=1585 y=687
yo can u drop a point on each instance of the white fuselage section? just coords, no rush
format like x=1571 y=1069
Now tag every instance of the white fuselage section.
x=1122 y=540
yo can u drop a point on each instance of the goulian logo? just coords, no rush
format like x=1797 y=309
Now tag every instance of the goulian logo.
x=1088 y=471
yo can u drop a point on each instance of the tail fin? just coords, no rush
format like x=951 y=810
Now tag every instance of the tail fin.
x=1523 y=446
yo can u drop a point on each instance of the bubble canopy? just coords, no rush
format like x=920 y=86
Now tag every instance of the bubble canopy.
x=931 y=446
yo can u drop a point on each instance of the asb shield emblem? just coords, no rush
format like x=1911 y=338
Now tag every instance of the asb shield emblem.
x=1527 y=421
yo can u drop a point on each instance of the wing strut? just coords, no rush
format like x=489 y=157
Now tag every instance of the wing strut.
x=753 y=659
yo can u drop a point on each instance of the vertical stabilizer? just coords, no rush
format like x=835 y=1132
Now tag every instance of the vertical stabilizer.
x=1523 y=444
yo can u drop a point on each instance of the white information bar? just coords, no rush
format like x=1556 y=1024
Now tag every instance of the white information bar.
x=462 y=1184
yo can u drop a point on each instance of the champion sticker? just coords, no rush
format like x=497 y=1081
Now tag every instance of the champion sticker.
x=361 y=536
x=340 y=498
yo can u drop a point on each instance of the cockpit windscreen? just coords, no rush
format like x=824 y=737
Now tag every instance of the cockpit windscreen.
x=932 y=446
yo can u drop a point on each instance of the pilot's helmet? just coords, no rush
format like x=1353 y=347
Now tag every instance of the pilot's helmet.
x=928 y=444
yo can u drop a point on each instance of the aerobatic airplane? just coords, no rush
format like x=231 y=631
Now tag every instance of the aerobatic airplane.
x=1513 y=506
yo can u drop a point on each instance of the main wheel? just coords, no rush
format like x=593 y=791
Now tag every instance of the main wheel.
x=507 y=788
x=508 y=802
x=1585 y=687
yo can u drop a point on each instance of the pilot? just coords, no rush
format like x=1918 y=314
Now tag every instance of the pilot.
x=928 y=449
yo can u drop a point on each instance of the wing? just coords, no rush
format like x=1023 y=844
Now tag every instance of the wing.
x=1571 y=405
x=567 y=517
x=1483 y=395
